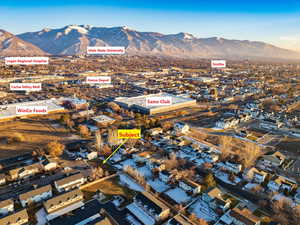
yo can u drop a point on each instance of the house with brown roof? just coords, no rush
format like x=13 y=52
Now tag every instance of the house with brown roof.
x=36 y=195
x=24 y=172
x=255 y=175
x=18 y=218
x=63 y=204
x=281 y=183
x=214 y=198
x=6 y=206
x=70 y=182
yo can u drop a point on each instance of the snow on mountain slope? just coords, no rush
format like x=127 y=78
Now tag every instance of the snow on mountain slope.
x=72 y=40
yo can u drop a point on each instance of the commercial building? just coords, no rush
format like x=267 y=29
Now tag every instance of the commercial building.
x=138 y=104
x=8 y=112
x=103 y=120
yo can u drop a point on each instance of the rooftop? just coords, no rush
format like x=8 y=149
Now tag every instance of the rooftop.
x=103 y=118
x=7 y=111
x=56 y=201
x=35 y=192
x=15 y=218
x=151 y=202
x=141 y=100
x=69 y=179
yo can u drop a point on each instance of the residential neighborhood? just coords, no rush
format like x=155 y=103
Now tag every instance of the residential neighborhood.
x=108 y=125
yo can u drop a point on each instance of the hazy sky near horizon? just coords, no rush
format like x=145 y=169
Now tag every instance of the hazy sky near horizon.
x=276 y=22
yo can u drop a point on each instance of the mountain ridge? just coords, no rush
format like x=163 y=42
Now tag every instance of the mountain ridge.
x=74 y=39
x=11 y=45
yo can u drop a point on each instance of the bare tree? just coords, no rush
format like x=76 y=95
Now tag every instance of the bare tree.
x=97 y=173
x=106 y=150
x=113 y=139
x=226 y=146
x=250 y=153
x=98 y=141
x=285 y=212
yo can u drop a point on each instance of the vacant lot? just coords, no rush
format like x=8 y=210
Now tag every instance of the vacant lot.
x=110 y=187
x=34 y=134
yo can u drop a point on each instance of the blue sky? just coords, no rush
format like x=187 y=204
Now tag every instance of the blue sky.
x=276 y=21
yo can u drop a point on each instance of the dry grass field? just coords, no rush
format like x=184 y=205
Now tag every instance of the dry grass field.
x=109 y=187
x=35 y=134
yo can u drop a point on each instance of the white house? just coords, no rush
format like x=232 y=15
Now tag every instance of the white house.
x=36 y=195
x=232 y=167
x=6 y=206
x=190 y=186
x=92 y=155
x=49 y=165
x=70 y=182
x=181 y=127
x=24 y=172
x=164 y=175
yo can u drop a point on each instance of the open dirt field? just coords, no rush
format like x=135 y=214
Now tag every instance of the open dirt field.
x=35 y=134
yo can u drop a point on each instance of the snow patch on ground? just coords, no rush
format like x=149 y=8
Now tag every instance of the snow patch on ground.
x=145 y=171
x=178 y=195
x=225 y=177
x=158 y=185
x=128 y=162
x=130 y=183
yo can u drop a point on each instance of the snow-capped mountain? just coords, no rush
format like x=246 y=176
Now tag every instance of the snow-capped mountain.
x=10 y=45
x=74 y=39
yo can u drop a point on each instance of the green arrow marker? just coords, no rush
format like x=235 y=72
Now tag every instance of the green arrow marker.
x=105 y=160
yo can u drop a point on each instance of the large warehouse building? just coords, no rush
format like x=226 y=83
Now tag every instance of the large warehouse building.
x=138 y=104
x=8 y=112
